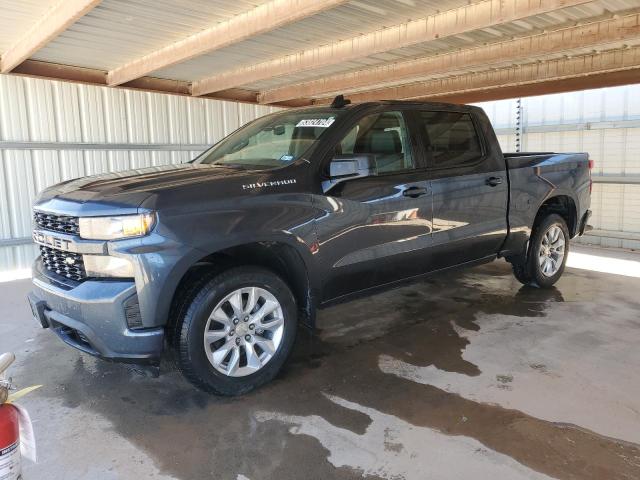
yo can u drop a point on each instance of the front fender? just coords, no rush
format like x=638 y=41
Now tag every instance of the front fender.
x=183 y=238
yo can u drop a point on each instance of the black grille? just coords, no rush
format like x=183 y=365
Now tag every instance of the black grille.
x=56 y=223
x=66 y=264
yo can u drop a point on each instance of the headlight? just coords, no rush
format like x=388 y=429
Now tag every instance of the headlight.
x=111 y=228
x=106 y=266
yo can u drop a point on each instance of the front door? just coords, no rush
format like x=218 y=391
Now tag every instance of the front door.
x=379 y=229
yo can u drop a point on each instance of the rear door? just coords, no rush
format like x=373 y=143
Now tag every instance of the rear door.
x=379 y=228
x=470 y=187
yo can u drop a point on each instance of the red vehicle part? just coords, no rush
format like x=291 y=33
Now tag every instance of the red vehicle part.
x=9 y=443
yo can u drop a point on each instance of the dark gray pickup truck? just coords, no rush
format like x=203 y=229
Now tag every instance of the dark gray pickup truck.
x=222 y=258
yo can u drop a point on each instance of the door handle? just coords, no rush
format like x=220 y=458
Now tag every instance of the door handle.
x=494 y=181
x=414 y=192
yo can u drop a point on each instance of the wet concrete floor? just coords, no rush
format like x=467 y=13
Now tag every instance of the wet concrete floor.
x=465 y=375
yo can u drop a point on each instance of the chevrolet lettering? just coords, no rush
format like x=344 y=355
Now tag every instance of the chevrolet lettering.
x=42 y=238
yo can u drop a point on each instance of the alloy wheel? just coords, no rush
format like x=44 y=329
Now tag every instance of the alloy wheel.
x=244 y=331
x=552 y=251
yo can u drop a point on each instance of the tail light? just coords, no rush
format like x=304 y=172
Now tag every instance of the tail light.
x=591 y=165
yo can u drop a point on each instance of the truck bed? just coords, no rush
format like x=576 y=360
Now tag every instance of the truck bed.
x=536 y=176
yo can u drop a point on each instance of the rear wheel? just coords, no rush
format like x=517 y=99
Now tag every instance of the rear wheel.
x=236 y=331
x=547 y=256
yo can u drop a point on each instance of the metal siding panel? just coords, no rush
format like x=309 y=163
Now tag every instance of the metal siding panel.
x=214 y=121
x=571 y=141
x=507 y=142
x=92 y=113
x=532 y=142
x=593 y=105
x=137 y=118
x=67 y=111
x=137 y=127
x=552 y=109
x=5 y=230
x=533 y=111
x=614 y=103
x=614 y=147
x=506 y=111
x=20 y=190
x=13 y=111
x=632 y=162
x=610 y=203
x=17 y=257
x=158 y=126
x=39 y=103
x=552 y=142
x=572 y=107
x=633 y=105
x=631 y=213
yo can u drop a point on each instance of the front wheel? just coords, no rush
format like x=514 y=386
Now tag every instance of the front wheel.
x=236 y=330
x=548 y=251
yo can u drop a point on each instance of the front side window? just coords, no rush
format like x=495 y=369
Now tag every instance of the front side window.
x=451 y=138
x=383 y=135
x=272 y=141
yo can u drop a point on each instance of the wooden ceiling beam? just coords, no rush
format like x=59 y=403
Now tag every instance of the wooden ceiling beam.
x=597 y=35
x=564 y=74
x=57 y=19
x=572 y=84
x=91 y=76
x=261 y=19
x=483 y=14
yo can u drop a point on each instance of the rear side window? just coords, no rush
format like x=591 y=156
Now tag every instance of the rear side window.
x=450 y=138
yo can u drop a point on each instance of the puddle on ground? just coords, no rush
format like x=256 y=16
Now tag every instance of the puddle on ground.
x=391 y=448
x=362 y=375
x=546 y=367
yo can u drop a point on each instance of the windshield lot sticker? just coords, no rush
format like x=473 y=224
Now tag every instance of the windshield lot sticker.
x=286 y=158
x=316 y=122
x=274 y=183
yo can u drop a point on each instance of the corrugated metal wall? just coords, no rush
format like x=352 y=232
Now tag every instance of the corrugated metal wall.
x=604 y=122
x=54 y=131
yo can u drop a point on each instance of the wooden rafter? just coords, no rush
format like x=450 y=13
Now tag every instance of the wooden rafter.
x=261 y=19
x=597 y=35
x=484 y=14
x=57 y=19
x=577 y=72
x=92 y=76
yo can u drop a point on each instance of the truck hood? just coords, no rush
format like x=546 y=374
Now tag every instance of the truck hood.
x=129 y=189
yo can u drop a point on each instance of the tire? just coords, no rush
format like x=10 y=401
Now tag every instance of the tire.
x=247 y=364
x=521 y=272
x=531 y=271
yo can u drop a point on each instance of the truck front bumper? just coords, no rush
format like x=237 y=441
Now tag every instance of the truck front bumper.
x=92 y=317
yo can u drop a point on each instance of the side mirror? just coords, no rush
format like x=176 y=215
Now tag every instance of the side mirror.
x=343 y=167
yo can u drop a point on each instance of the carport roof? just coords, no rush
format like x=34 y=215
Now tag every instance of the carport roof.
x=298 y=52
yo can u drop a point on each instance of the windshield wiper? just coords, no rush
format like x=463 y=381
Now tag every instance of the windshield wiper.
x=237 y=166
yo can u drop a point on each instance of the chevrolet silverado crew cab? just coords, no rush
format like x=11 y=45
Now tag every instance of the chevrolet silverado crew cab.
x=222 y=258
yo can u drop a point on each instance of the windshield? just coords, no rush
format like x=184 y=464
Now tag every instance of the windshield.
x=272 y=141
